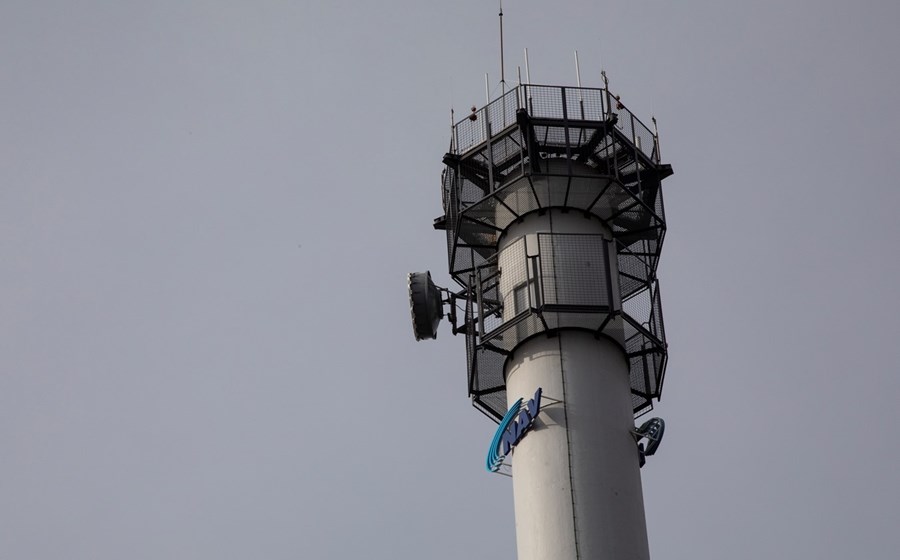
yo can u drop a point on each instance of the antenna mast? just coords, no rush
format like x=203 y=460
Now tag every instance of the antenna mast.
x=502 y=70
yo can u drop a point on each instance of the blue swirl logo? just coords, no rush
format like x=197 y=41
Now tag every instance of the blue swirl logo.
x=515 y=424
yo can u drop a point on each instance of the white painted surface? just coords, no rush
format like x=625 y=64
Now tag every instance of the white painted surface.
x=576 y=477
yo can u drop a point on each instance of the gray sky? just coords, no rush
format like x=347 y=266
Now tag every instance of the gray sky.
x=207 y=210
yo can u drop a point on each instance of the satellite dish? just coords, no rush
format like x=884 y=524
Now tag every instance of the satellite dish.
x=652 y=430
x=425 y=305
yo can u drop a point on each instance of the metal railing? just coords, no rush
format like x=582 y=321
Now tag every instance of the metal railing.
x=557 y=103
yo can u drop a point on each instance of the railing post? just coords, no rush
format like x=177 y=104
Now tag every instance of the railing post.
x=655 y=141
x=480 y=301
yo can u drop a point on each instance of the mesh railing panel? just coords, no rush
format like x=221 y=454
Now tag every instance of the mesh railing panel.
x=469 y=132
x=498 y=115
x=513 y=265
x=501 y=112
x=639 y=307
x=633 y=274
x=659 y=328
x=491 y=211
x=594 y=102
x=520 y=197
x=575 y=104
x=574 y=270
x=545 y=102
x=644 y=140
x=507 y=152
x=489 y=372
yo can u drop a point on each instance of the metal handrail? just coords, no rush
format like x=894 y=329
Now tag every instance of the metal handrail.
x=481 y=125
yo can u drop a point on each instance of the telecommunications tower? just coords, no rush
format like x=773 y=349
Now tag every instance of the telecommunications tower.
x=554 y=219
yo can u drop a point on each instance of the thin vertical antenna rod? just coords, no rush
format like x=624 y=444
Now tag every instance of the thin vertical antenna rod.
x=452 y=132
x=453 y=135
x=520 y=102
x=527 y=99
x=527 y=68
x=577 y=69
x=580 y=93
x=655 y=137
x=487 y=90
x=502 y=69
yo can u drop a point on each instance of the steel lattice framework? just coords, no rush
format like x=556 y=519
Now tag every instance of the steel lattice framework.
x=534 y=149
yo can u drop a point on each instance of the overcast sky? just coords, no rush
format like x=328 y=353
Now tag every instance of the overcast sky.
x=208 y=208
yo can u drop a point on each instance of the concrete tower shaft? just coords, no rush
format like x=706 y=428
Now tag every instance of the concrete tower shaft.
x=576 y=477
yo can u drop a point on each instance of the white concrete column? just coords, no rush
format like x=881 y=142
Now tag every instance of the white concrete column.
x=576 y=477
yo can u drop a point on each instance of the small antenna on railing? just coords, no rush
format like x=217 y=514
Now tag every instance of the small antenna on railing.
x=655 y=138
x=452 y=130
x=520 y=98
x=502 y=69
x=527 y=98
x=580 y=92
x=577 y=70
x=527 y=68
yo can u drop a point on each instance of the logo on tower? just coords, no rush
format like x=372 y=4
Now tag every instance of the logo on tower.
x=515 y=424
